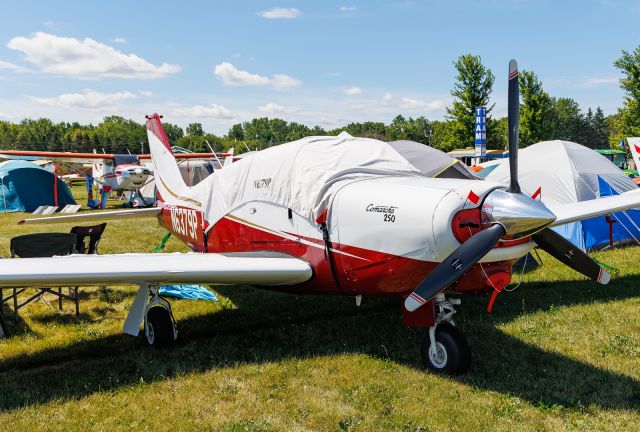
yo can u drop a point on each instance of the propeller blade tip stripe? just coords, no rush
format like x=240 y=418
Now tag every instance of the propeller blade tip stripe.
x=413 y=302
x=603 y=277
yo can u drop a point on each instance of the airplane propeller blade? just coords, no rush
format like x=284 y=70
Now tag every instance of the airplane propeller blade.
x=454 y=266
x=513 y=115
x=569 y=254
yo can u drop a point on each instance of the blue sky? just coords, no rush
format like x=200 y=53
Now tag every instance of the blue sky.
x=315 y=62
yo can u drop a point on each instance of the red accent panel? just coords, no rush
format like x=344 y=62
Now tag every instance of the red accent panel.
x=473 y=197
x=378 y=274
x=637 y=148
x=466 y=223
x=155 y=126
x=424 y=316
x=186 y=224
x=497 y=281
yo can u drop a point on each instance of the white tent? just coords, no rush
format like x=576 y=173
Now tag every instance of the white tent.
x=566 y=172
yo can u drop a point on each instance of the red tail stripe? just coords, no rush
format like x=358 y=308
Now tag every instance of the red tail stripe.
x=155 y=126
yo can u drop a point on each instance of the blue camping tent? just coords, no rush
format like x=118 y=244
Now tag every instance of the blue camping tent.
x=24 y=186
x=561 y=173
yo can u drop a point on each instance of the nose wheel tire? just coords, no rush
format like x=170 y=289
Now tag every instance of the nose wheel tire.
x=450 y=355
x=159 y=327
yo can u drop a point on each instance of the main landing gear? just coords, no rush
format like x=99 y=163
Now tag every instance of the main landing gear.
x=155 y=312
x=444 y=348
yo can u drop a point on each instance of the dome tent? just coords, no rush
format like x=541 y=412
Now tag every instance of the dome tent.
x=562 y=172
x=24 y=186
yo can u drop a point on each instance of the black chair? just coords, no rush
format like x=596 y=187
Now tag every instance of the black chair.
x=88 y=238
x=3 y=324
x=40 y=245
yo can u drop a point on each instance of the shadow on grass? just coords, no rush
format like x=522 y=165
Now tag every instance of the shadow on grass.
x=270 y=326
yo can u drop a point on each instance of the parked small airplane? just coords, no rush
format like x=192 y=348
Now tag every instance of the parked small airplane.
x=333 y=215
x=113 y=172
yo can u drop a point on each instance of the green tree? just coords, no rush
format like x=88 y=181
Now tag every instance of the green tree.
x=629 y=121
x=473 y=87
x=174 y=132
x=568 y=119
x=118 y=135
x=600 y=130
x=195 y=129
x=536 y=110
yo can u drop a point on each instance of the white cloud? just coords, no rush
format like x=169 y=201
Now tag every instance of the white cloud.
x=119 y=40
x=88 y=99
x=390 y=104
x=232 y=76
x=213 y=111
x=420 y=105
x=52 y=25
x=348 y=8
x=273 y=108
x=352 y=91
x=281 y=13
x=85 y=58
x=597 y=81
x=145 y=93
x=4 y=65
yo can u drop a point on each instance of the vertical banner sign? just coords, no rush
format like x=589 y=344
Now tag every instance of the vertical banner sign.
x=480 y=131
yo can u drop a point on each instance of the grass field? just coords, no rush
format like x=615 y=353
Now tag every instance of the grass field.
x=559 y=353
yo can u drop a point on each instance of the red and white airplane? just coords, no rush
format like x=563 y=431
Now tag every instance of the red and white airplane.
x=113 y=172
x=333 y=215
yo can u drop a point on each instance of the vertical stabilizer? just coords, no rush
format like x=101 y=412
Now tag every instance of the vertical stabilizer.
x=634 y=147
x=169 y=181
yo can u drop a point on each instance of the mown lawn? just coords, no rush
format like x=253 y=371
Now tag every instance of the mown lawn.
x=559 y=353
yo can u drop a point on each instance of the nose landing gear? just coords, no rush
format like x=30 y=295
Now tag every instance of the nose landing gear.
x=444 y=348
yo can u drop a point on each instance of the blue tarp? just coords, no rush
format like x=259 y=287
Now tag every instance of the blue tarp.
x=192 y=292
x=591 y=233
x=24 y=186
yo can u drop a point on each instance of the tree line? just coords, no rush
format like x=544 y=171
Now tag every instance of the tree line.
x=543 y=117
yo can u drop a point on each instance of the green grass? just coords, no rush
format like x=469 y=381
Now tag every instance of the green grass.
x=559 y=353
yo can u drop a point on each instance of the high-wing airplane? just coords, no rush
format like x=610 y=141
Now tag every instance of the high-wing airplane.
x=113 y=172
x=333 y=215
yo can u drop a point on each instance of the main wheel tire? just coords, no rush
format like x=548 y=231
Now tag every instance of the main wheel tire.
x=159 y=331
x=451 y=355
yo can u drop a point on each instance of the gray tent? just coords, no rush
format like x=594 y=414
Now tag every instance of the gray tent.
x=432 y=162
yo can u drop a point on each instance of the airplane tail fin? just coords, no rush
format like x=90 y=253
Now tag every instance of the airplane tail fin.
x=169 y=181
x=634 y=147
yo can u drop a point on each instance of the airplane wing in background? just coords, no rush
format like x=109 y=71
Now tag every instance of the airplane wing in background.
x=78 y=158
x=135 y=269
x=151 y=212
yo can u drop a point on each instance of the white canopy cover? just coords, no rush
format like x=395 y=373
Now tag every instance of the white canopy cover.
x=301 y=175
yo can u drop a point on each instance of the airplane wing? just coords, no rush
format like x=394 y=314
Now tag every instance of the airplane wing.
x=78 y=158
x=189 y=156
x=597 y=207
x=150 y=212
x=135 y=269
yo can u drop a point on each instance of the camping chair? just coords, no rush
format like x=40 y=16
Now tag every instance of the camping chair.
x=87 y=243
x=40 y=245
x=3 y=324
x=88 y=238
